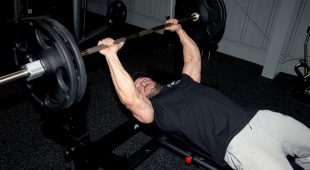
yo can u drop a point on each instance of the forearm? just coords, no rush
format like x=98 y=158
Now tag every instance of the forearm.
x=190 y=48
x=191 y=55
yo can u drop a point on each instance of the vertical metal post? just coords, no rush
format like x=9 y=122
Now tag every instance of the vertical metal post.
x=76 y=5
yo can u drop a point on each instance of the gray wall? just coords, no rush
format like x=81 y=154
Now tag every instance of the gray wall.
x=253 y=24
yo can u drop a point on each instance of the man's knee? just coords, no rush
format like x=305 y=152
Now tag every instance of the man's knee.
x=257 y=160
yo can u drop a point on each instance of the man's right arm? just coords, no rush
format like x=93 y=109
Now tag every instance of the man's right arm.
x=139 y=105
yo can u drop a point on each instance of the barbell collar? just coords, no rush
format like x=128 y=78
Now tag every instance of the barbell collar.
x=35 y=69
x=193 y=17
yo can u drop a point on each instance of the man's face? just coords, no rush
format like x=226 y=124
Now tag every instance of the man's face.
x=146 y=86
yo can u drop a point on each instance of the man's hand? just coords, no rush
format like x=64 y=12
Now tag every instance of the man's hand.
x=112 y=47
x=173 y=25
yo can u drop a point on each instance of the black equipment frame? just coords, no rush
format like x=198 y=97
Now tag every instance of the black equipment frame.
x=79 y=21
x=99 y=154
x=82 y=154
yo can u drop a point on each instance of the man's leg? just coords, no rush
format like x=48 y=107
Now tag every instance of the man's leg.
x=298 y=144
x=292 y=134
x=255 y=149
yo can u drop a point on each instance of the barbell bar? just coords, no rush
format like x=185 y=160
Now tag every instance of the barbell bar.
x=194 y=17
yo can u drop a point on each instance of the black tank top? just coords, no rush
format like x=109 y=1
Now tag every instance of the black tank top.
x=205 y=116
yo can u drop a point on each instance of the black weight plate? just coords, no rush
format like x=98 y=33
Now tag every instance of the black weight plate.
x=117 y=13
x=56 y=90
x=210 y=26
x=79 y=66
x=60 y=70
x=216 y=17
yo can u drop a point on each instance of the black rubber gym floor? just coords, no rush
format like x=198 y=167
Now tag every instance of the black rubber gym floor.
x=23 y=145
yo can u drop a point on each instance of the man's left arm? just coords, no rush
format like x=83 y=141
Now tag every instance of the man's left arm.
x=191 y=56
x=191 y=52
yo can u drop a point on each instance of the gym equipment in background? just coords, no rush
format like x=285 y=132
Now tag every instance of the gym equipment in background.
x=302 y=69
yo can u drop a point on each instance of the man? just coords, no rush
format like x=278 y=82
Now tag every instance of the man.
x=243 y=140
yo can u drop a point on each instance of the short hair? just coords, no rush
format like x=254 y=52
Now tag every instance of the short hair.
x=158 y=76
x=139 y=74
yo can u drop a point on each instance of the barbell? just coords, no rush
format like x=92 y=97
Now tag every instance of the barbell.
x=52 y=63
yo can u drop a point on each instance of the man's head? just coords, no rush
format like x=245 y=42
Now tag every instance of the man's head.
x=146 y=86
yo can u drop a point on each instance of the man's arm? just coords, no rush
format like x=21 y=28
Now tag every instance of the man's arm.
x=139 y=105
x=191 y=52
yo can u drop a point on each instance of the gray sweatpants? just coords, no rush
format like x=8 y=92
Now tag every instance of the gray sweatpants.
x=266 y=141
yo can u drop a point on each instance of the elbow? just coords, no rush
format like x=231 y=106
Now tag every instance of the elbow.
x=143 y=120
x=144 y=117
x=142 y=112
